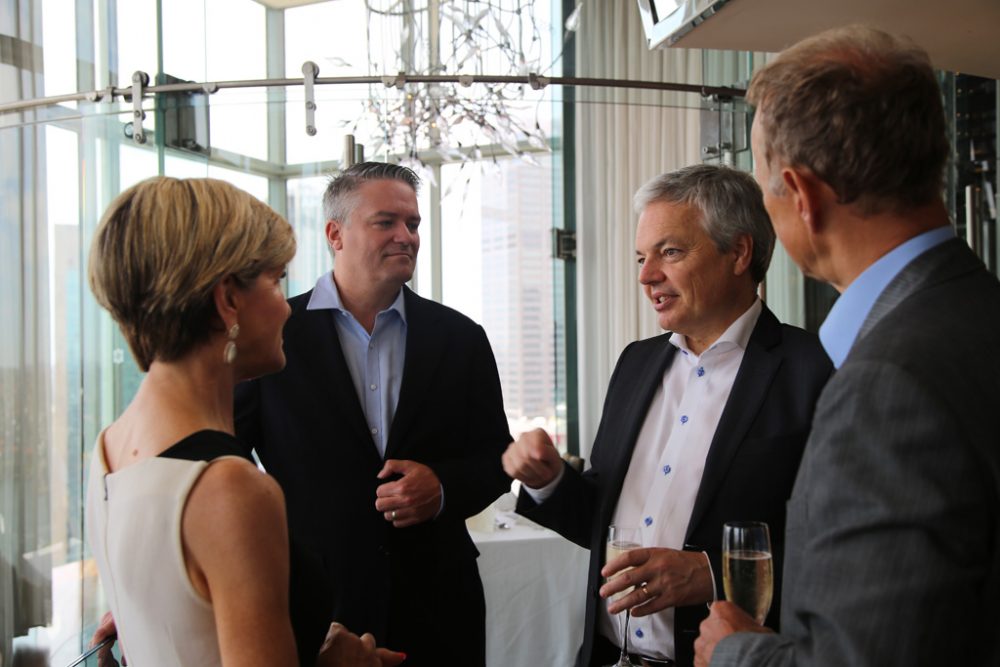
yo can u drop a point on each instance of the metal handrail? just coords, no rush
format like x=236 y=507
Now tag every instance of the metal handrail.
x=82 y=658
x=399 y=80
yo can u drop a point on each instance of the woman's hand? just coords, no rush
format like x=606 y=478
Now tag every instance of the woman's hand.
x=105 y=629
x=343 y=648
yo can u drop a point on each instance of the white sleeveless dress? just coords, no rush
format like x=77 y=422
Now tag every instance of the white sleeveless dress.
x=134 y=531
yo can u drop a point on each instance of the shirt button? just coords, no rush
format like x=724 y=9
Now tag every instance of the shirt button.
x=639 y=633
x=648 y=521
x=684 y=419
x=372 y=387
x=374 y=431
x=701 y=371
x=667 y=469
x=371 y=346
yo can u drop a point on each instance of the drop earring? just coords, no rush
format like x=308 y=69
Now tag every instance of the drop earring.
x=229 y=352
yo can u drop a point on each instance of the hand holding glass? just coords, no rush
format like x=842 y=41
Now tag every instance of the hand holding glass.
x=747 y=570
x=620 y=540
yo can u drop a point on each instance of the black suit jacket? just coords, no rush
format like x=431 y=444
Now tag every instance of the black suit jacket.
x=748 y=474
x=407 y=586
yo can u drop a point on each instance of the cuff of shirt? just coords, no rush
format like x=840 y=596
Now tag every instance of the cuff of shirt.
x=542 y=494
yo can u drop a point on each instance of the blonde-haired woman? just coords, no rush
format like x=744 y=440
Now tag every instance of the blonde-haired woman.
x=190 y=538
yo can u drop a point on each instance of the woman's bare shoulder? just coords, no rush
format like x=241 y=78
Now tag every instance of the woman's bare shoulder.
x=234 y=488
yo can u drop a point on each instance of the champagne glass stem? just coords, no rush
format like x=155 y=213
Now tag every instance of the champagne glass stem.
x=623 y=659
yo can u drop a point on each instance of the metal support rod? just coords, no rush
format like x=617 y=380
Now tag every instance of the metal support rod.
x=139 y=81
x=534 y=81
x=971 y=220
x=349 y=154
x=310 y=71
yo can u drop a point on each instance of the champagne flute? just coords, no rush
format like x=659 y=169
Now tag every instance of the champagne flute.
x=747 y=569
x=620 y=540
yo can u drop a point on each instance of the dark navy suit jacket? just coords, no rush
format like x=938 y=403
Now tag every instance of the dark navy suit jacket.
x=414 y=588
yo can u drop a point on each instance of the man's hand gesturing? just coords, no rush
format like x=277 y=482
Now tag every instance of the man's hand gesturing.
x=532 y=459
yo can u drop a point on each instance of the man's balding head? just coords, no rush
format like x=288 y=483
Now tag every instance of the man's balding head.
x=862 y=110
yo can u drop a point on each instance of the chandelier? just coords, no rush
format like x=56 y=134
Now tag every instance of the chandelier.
x=463 y=38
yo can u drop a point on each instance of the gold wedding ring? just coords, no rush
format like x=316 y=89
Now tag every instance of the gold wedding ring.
x=392 y=515
x=645 y=591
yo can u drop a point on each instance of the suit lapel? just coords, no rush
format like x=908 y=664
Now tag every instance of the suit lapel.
x=946 y=261
x=325 y=366
x=424 y=352
x=750 y=387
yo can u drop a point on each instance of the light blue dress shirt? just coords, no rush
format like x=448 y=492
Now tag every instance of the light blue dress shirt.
x=842 y=325
x=375 y=361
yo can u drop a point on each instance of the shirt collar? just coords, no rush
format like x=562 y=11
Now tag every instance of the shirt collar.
x=326 y=296
x=737 y=334
x=841 y=327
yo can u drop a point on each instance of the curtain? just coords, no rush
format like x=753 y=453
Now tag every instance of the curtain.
x=624 y=138
x=25 y=386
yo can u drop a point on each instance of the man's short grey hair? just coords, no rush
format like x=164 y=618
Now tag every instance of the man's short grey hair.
x=731 y=205
x=337 y=200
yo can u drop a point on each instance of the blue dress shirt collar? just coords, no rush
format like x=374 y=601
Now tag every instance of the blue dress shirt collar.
x=840 y=330
x=326 y=296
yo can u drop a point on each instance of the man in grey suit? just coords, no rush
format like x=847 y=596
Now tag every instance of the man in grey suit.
x=892 y=546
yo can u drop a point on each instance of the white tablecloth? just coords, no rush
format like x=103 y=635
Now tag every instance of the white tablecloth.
x=535 y=585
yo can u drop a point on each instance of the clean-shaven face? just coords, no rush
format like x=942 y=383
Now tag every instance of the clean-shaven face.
x=379 y=243
x=691 y=285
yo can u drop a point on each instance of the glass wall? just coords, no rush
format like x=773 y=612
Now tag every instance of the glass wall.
x=496 y=262
x=65 y=370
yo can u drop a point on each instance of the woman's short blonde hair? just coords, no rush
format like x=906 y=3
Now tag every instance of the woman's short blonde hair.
x=164 y=244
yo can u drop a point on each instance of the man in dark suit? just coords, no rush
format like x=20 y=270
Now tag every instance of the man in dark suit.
x=700 y=426
x=891 y=550
x=385 y=430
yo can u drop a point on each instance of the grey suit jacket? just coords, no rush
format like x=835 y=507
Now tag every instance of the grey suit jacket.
x=892 y=546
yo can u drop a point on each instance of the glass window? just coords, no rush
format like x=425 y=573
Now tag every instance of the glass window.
x=462 y=248
x=236 y=50
x=58 y=48
x=136 y=51
x=424 y=275
x=498 y=269
x=221 y=40
x=333 y=35
x=66 y=368
x=255 y=184
x=184 y=48
x=135 y=164
x=180 y=167
x=305 y=213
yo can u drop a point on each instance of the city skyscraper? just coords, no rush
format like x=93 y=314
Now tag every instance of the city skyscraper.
x=517 y=286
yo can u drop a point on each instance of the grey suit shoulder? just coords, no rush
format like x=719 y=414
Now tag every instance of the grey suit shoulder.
x=893 y=525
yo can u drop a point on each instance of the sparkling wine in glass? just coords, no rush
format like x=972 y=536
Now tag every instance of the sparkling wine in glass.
x=620 y=540
x=747 y=568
